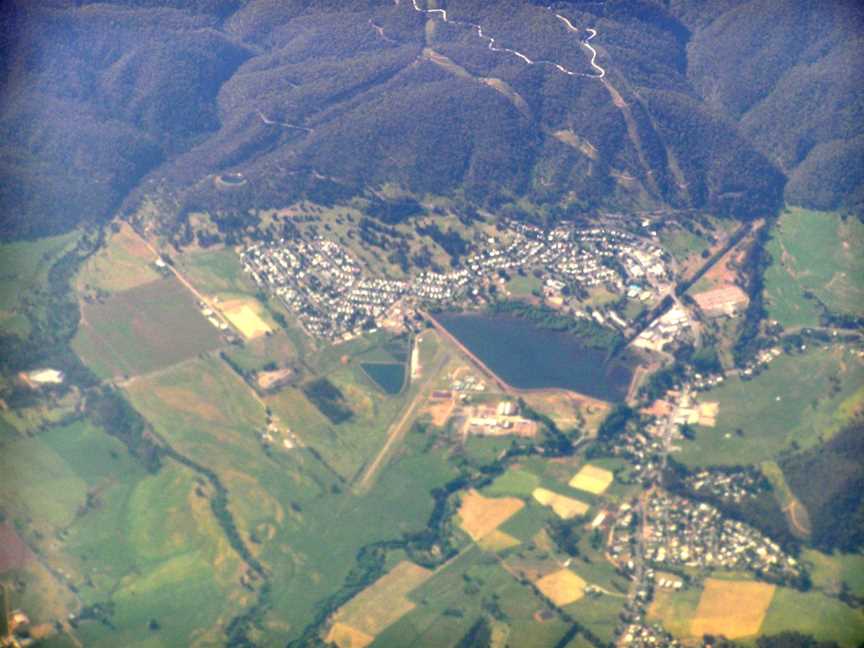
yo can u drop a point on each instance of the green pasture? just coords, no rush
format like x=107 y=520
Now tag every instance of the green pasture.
x=818 y=253
x=790 y=402
x=143 y=329
x=24 y=267
x=832 y=572
x=813 y=613
x=451 y=602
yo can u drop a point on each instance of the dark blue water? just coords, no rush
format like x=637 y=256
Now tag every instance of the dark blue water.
x=388 y=376
x=528 y=356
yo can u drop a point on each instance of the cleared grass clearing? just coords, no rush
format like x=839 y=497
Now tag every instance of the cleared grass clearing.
x=125 y=262
x=479 y=515
x=816 y=252
x=563 y=506
x=568 y=409
x=562 y=587
x=793 y=400
x=382 y=603
x=592 y=479
x=731 y=608
x=143 y=329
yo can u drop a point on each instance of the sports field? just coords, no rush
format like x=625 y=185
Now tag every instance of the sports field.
x=731 y=608
x=794 y=400
x=143 y=329
x=819 y=253
x=592 y=479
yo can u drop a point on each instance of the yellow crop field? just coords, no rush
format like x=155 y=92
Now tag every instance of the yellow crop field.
x=564 y=507
x=592 y=479
x=730 y=608
x=480 y=515
x=345 y=636
x=498 y=541
x=378 y=606
x=246 y=319
x=562 y=587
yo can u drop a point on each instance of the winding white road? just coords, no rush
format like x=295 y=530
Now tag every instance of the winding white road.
x=599 y=74
x=271 y=122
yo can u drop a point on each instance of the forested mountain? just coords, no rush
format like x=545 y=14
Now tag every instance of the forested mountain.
x=687 y=105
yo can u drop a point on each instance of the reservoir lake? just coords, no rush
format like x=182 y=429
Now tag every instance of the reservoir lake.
x=528 y=356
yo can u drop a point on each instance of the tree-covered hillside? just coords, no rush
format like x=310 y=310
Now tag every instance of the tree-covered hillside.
x=699 y=105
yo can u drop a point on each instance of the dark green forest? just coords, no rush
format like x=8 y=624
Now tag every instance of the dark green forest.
x=108 y=105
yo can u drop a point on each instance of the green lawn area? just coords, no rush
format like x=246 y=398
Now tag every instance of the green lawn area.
x=520 y=286
x=817 y=252
x=792 y=401
x=814 y=613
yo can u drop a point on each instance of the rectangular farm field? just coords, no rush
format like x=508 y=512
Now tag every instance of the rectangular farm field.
x=143 y=329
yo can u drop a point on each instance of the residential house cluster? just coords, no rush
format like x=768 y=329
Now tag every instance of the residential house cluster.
x=334 y=298
x=680 y=532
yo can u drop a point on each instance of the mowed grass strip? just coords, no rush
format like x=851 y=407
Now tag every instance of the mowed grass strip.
x=379 y=605
x=563 y=506
x=592 y=479
x=480 y=515
x=143 y=329
x=732 y=608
